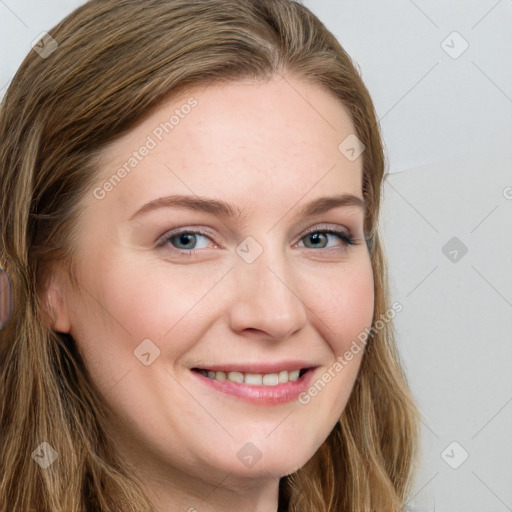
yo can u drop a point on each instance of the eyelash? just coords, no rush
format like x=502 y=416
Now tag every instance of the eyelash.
x=344 y=237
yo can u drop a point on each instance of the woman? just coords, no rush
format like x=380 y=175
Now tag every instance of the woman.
x=255 y=370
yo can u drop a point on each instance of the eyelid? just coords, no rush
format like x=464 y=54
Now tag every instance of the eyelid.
x=321 y=226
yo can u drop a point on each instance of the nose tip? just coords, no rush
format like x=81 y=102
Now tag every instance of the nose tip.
x=265 y=299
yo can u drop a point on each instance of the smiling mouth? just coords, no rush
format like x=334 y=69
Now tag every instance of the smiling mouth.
x=254 y=379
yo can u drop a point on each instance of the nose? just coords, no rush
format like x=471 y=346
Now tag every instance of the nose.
x=265 y=298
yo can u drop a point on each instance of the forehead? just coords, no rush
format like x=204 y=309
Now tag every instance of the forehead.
x=247 y=140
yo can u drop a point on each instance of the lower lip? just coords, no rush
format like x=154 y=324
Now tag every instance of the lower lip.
x=262 y=395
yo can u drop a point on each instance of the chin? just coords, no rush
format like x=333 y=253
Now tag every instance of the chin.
x=253 y=463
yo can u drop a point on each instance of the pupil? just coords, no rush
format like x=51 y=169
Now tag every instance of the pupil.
x=315 y=238
x=185 y=238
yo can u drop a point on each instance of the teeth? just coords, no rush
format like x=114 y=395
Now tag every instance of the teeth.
x=254 y=379
x=236 y=377
x=293 y=375
x=271 y=379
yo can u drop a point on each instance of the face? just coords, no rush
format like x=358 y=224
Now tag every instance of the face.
x=170 y=288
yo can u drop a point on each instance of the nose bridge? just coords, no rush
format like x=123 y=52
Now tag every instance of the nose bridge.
x=266 y=298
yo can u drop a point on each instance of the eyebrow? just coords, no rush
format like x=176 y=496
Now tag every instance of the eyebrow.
x=226 y=209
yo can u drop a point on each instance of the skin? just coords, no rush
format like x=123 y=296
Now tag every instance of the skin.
x=269 y=151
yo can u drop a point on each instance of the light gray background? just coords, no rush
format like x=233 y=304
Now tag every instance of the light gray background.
x=447 y=125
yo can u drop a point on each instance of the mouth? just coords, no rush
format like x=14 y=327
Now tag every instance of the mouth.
x=254 y=379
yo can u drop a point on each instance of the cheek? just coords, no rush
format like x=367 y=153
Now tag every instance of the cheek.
x=148 y=300
x=356 y=304
x=134 y=302
x=343 y=302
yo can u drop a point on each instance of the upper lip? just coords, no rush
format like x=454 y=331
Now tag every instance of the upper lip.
x=258 y=367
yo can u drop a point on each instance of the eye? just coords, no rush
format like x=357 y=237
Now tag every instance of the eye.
x=185 y=241
x=319 y=236
x=188 y=242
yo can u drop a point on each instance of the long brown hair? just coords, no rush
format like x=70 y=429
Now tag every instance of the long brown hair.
x=109 y=64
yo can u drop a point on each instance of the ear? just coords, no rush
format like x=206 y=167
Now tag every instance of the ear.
x=54 y=306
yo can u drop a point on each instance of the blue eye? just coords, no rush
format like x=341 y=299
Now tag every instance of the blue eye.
x=185 y=242
x=320 y=235
x=186 y=238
